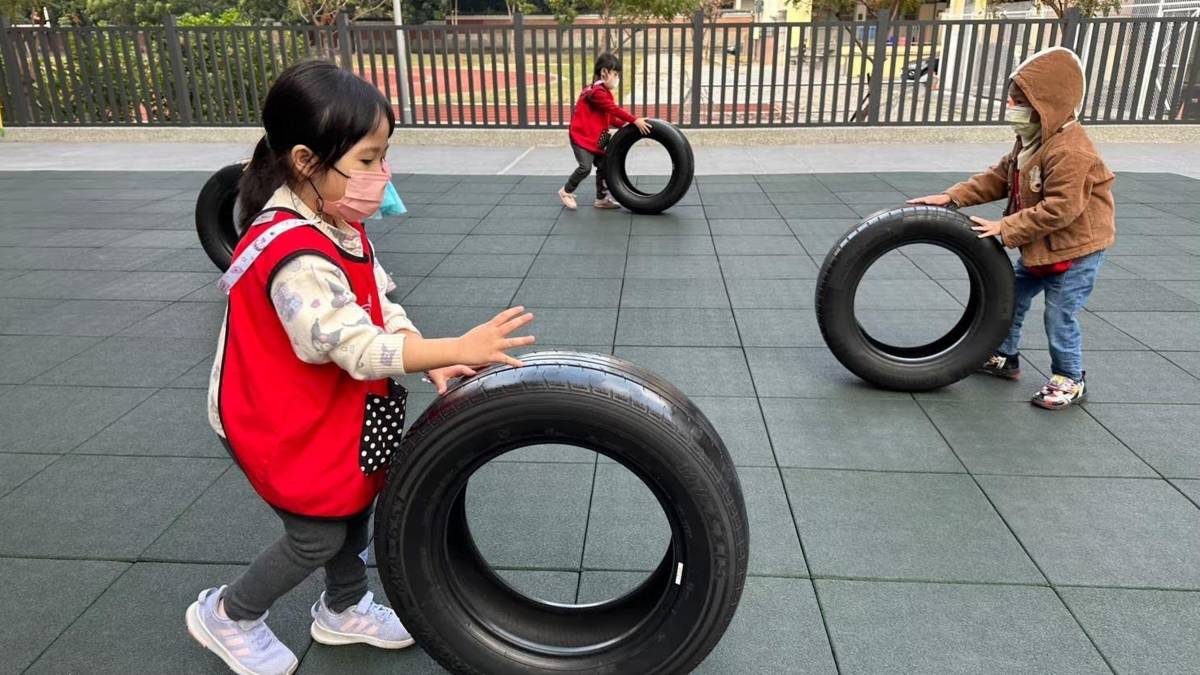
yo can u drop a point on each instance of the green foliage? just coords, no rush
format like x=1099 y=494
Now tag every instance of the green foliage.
x=96 y=82
x=230 y=17
x=420 y=11
x=1087 y=8
x=844 y=9
x=631 y=11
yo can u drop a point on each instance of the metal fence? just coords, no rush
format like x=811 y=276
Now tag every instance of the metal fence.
x=693 y=73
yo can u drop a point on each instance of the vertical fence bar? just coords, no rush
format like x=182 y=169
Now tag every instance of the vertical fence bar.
x=724 y=74
x=1186 y=63
x=12 y=73
x=458 y=88
x=970 y=74
x=874 y=106
x=801 y=49
x=558 y=76
x=1113 y=79
x=787 y=73
x=658 y=69
x=214 y=71
x=712 y=69
x=138 y=63
x=747 y=49
x=571 y=63
x=89 y=101
x=444 y=72
x=945 y=80
x=182 y=105
x=39 y=96
x=1154 y=106
x=550 y=82
x=154 y=92
x=519 y=59
x=762 y=71
x=52 y=76
x=537 y=94
x=737 y=69
x=697 y=67
x=1140 y=82
x=812 y=75
x=774 y=74
x=915 y=85
x=843 y=90
x=1131 y=63
x=112 y=111
x=1102 y=70
x=893 y=35
x=825 y=78
x=931 y=77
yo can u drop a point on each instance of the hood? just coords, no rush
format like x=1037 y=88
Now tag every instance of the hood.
x=1053 y=81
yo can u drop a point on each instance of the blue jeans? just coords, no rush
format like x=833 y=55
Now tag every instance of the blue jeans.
x=1066 y=294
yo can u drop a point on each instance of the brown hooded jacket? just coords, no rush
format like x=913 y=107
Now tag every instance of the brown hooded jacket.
x=1066 y=189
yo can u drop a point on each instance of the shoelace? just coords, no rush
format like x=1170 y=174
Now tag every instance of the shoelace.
x=1058 y=385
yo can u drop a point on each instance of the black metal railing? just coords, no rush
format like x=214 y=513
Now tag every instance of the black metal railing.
x=525 y=74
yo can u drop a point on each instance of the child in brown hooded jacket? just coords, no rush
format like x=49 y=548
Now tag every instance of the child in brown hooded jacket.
x=1059 y=213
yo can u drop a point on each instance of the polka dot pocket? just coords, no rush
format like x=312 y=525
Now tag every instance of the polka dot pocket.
x=383 y=428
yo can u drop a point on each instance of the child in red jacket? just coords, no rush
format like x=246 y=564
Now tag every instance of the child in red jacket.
x=595 y=112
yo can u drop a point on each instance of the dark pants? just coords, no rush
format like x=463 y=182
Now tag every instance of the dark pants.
x=586 y=160
x=306 y=544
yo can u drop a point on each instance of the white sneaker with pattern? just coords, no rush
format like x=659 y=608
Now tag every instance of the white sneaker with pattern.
x=367 y=622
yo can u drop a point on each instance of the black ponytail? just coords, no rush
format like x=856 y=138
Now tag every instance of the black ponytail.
x=315 y=104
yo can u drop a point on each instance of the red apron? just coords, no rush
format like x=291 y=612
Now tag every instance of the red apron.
x=297 y=429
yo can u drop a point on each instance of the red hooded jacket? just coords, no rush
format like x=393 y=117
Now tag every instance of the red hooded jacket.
x=595 y=111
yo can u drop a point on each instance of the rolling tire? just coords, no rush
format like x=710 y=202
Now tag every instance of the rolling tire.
x=217 y=215
x=946 y=360
x=468 y=618
x=683 y=167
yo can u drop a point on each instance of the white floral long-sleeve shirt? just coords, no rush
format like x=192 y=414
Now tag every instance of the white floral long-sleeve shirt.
x=322 y=317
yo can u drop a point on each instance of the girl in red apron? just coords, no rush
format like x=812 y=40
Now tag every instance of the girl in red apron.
x=302 y=393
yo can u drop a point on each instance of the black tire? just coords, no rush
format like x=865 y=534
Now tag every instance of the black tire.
x=950 y=358
x=683 y=167
x=217 y=215
x=469 y=619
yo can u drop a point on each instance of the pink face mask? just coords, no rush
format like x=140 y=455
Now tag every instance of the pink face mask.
x=364 y=193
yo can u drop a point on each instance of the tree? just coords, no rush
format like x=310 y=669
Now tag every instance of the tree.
x=1087 y=8
x=324 y=12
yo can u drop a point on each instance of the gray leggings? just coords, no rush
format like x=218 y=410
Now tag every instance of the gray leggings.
x=306 y=544
x=586 y=159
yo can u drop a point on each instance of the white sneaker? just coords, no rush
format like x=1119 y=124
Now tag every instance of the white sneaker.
x=247 y=647
x=367 y=622
x=568 y=199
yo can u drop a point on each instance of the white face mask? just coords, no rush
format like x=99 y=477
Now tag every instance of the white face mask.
x=1018 y=114
x=1020 y=118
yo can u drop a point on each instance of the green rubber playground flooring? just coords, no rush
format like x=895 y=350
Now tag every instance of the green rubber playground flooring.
x=949 y=532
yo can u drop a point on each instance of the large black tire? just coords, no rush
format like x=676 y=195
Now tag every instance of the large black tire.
x=217 y=215
x=468 y=618
x=683 y=167
x=946 y=360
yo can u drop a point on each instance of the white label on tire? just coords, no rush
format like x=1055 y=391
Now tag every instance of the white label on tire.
x=679 y=574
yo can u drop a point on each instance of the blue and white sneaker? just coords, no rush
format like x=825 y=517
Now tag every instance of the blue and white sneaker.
x=367 y=622
x=247 y=647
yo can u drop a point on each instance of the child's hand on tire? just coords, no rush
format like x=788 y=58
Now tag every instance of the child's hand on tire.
x=643 y=125
x=933 y=200
x=440 y=377
x=488 y=342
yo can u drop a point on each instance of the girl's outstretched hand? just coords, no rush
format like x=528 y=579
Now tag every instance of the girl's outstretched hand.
x=643 y=125
x=488 y=342
x=440 y=377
